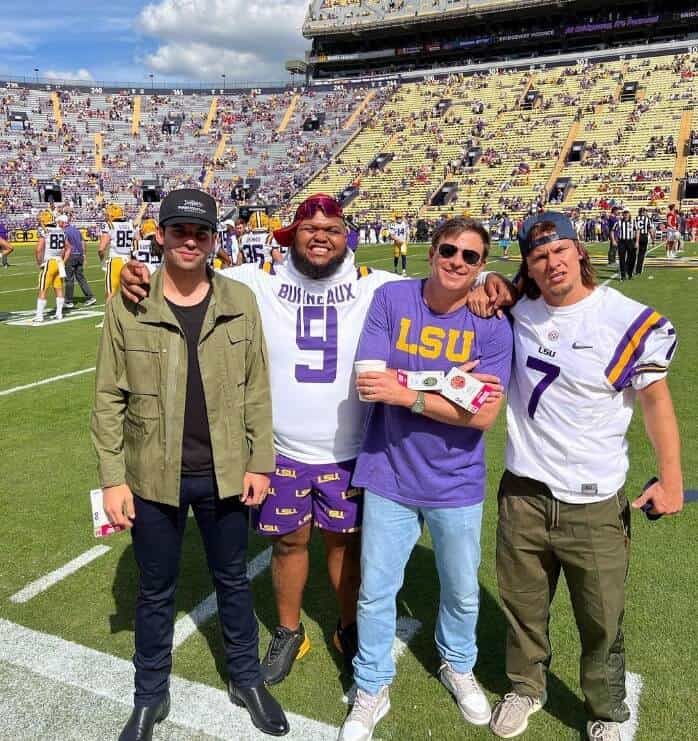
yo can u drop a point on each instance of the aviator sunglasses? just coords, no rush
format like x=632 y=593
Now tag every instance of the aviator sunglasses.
x=470 y=257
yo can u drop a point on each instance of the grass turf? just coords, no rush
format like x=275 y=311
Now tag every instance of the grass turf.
x=47 y=468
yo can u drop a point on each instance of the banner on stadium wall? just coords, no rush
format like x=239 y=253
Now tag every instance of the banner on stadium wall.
x=433 y=46
x=627 y=23
x=403 y=50
x=527 y=35
x=24 y=235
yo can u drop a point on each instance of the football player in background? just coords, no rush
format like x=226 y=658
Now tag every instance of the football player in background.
x=117 y=235
x=5 y=247
x=313 y=307
x=255 y=245
x=51 y=254
x=148 y=250
x=583 y=354
x=400 y=234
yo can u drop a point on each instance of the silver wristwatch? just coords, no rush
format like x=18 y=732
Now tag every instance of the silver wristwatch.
x=418 y=406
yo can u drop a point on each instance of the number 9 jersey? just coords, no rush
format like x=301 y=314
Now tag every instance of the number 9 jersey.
x=576 y=373
x=312 y=330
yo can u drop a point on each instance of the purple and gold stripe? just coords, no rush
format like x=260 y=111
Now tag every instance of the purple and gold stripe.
x=631 y=347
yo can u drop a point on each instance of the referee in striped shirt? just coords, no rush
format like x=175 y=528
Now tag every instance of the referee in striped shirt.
x=644 y=229
x=625 y=230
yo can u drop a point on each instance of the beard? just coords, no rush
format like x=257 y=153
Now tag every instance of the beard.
x=311 y=270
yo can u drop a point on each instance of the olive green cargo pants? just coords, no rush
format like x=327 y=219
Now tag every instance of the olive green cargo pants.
x=537 y=537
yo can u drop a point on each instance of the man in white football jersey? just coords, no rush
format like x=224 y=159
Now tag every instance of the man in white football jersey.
x=256 y=242
x=400 y=234
x=582 y=355
x=313 y=307
x=117 y=236
x=52 y=251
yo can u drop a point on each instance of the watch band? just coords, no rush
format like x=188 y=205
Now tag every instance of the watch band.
x=419 y=404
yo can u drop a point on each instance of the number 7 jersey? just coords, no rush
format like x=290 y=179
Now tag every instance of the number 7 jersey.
x=312 y=330
x=576 y=373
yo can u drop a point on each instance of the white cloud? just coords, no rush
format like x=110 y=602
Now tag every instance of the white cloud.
x=81 y=74
x=203 y=38
x=14 y=40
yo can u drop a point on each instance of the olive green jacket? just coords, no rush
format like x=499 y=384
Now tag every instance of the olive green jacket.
x=141 y=383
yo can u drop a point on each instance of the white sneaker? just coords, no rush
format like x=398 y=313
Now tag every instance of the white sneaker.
x=468 y=694
x=37 y=320
x=603 y=730
x=58 y=317
x=404 y=273
x=68 y=305
x=90 y=301
x=99 y=326
x=510 y=714
x=367 y=711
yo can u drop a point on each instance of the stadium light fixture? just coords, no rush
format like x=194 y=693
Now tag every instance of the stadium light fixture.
x=36 y=74
x=223 y=76
x=152 y=84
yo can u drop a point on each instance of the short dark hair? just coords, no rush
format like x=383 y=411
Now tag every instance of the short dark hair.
x=530 y=287
x=456 y=226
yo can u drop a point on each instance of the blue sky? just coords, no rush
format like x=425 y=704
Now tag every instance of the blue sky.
x=175 y=40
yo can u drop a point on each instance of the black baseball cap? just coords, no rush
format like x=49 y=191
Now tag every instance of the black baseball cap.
x=563 y=230
x=189 y=206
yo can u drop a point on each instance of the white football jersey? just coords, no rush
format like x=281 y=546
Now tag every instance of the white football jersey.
x=256 y=247
x=400 y=230
x=54 y=242
x=312 y=330
x=144 y=253
x=121 y=235
x=570 y=400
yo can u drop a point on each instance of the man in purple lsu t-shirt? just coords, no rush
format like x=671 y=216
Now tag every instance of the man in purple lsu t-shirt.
x=422 y=460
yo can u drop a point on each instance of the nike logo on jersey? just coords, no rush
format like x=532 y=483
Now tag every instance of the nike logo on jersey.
x=579 y=346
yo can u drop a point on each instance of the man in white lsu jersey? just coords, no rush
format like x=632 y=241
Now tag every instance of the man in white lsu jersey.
x=118 y=236
x=313 y=307
x=582 y=355
x=51 y=253
x=148 y=251
x=400 y=234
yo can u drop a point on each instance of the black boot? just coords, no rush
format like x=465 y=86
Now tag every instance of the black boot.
x=265 y=712
x=140 y=724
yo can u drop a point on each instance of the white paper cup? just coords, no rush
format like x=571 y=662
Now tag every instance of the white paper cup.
x=363 y=366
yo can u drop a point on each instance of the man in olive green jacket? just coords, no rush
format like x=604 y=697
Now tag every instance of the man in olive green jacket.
x=182 y=417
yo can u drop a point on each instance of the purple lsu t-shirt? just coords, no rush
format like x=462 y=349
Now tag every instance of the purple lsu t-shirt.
x=407 y=457
x=3 y=231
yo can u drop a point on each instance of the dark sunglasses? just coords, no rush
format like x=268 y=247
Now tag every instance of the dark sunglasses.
x=321 y=202
x=470 y=257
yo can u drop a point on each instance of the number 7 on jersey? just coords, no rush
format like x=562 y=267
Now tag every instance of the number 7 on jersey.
x=550 y=373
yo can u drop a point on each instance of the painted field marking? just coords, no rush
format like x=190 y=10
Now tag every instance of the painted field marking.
x=406 y=629
x=198 y=707
x=633 y=688
x=207 y=608
x=70 y=316
x=34 y=288
x=6 y=392
x=42 y=584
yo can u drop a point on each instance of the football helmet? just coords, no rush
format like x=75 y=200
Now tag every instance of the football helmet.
x=148 y=228
x=275 y=223
x=46 y=217
x=258 y=221
x=114 y=212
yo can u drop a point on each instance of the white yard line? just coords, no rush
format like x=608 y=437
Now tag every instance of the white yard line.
x=6 y=392
x=633 y=688
x=42 y=584
x=406 y=629
x=71 y=315
x=34 y=288
x=198 y=707
x=207 y=608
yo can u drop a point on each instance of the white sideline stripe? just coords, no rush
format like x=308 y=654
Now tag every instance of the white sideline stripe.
x=42 y=584
x=195 y=706
x=5 y=392
x=35 y=289
x=207 y=608
x=406 y=629
x=38 y=270
x=633 y=688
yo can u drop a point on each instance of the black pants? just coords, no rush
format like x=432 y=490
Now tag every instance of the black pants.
x=611 y=252
x=73 y=272
x=626 y=257
x=157 y=543
x=642 y=249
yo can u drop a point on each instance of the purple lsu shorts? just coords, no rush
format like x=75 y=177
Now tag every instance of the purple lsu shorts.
x=303 y=492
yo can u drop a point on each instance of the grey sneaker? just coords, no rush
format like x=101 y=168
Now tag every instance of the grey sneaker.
x=468 y=694
x=367 y=711
x=603 y=730
x=90 y=301
x=68 y=305
x=510 y=714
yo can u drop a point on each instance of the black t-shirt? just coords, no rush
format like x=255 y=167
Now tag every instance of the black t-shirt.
x=197 y=456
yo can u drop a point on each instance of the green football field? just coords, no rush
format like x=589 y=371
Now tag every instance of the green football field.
x=47 y=469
